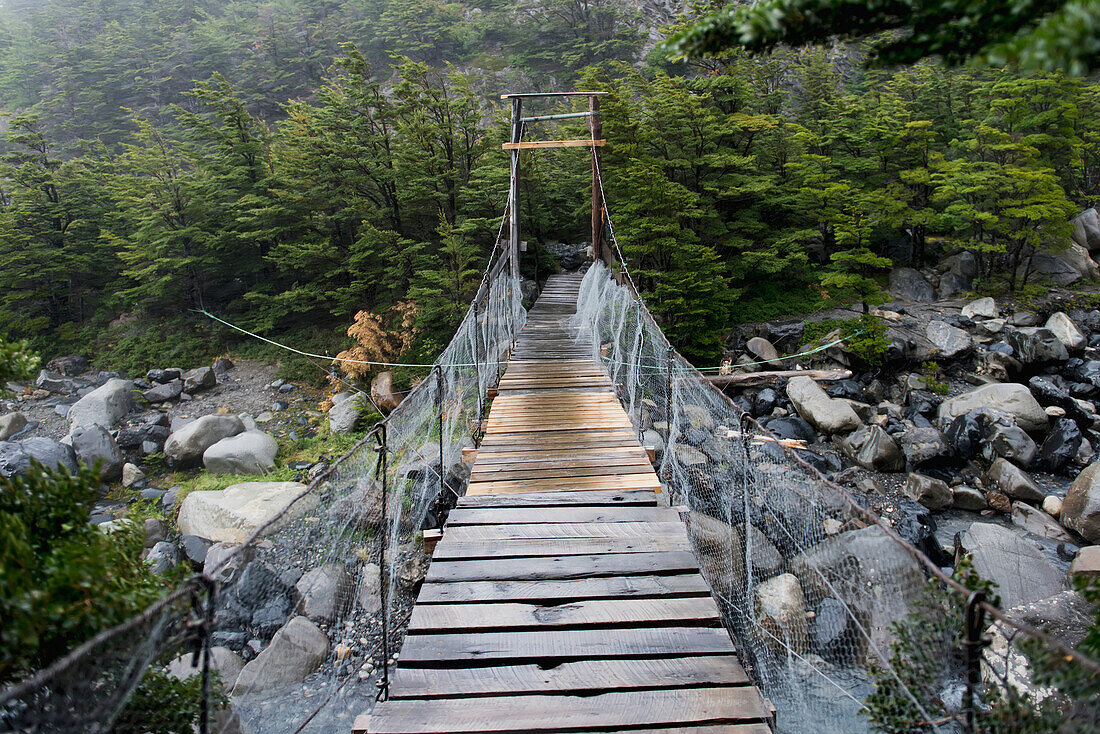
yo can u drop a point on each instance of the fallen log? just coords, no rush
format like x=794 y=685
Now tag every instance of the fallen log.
x=750 y=379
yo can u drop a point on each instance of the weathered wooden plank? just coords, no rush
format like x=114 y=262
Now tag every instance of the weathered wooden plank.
x=585 y=675
x=691 y=584
x=536 y=530
x=519 y=473
x=535 y=455
x=616 y=710
x=563 y=567
x=504 y=515
x=627 y=481
x=643 y=497
x=533 y=548
x=602 y=613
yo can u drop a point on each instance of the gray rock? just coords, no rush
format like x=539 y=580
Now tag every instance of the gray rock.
x=1013 y=398
x=1009 y=442
x=815 y=406
x=163 y=557
x=296 y=650
x=932 y=493
x=1066 y=331
x=368 y=594
x=195 y=548
x=131 y=475
x=188 y=444
x=951 y=341
x=225 y=561
x=1052 y=268
x=923 y=445
x=1035 y=345
x=952 y=284
x=155 y=531
x=1078 y=258
x=227 y=663
x=1025 y=318
x=234 y=513
x=325 y=592
x=1037 y=522
x=198 y=379
x=105 y=405
x=762 y=349
x=1021 y=572
x=907 y=284
x=53 y=382
x=11 y=424
x=1081 y=508
x=985 y=308
x=71 y=364
x=967 y=498
x=344 y=415
x=221 y=366
x=963 y=263
x=1086 y=230
x=251 y=452
x=167 y=391
x=1014 y=482
x=781 y=612
x=872 y=448
x=94 y=446
x=698 y=417
x=384 y=393
x=15 y=456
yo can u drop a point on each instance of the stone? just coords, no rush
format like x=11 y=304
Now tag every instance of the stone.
x=195 y=548
x=296 y=650
x=368 y=594
x=94 y=446
x=952 y=284
x=932 y=493
x=1037 y=346
x=907 y=284
x=827 y=414
x=1014 y=482
x=227 y=663
x=131 y=475
x=155 y=531
x=105 y=406
x=1081 y=507
x=1086 y=229
x=166 y=391
x=344 y=415
x=187 y=445
x=793 y=428
x=225 y=561
x=781 y=612
x=1066 y=331
x=162 y=557
x=15 y=456
x=924 y=445
x=251 y=452
x=968 y=498
x=71 y=365
x=1086 y=562
x=11 y=424
x=1078 y=258
x=762 y=349
x=965 y=434
x=949 y=340
x=1052 y=505
x=985 y=308
x=221 y=366
x=1021 y=572
x=1038 y=522
x=200 y=378
x=53 y=382
x=265 y=417
x=1061 y=445
x=234 y=513
x=383 y=392
x=325 y=592
x=1013 y=398
x=873 y=449
x=1050 y=267
x=1009 y=442
x=875 y=576
x=698 y=417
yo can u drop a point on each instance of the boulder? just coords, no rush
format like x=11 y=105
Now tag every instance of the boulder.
x=1086 y=562
x=53 y=382
x=1086 y=230
x=952 y=284
x=814 y=405
x=1078 y=258
x=907 y=284
x=224 y=561
x=71 y=365
x=296 y=650
x=1036 y=345
x=1009 y=441
x=985 y=308
x=963 y=263
x=1050 y=267
x=11 y=424
x=368 y=594
x=1066 y=331
x=1021 y=572
x=874 y=449
x=198 y=379
x=1013 y=398
x=15 y=456
x=162 y=557
x=932 y=493
x=234 y=513
x=1014 y=482
x=781 y=612
x=104 y=406
x=94 y=446
x=875 y=576
x=762 y=349
x=967 y=498
x=251 y=452
x=344 y=415
x=1081 y=508
x=187 y=445
x=949 y=340
x=227 y=663
x=325 y=592
x=221 y=366
x=166 y=391
x=1061 y=445
x=383 y=392
x=1037 y=522
x=923 y=445
x=360 y=508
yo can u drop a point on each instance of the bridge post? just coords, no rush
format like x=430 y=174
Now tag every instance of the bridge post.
x=513 y=198
x=596 y=128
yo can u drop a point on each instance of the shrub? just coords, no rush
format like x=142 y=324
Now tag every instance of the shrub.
x=17 y=360
x=863 y=336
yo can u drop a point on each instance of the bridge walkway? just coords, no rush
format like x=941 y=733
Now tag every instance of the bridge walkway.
x=562 y=596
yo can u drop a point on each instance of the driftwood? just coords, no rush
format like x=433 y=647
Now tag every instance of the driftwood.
x=750 y=379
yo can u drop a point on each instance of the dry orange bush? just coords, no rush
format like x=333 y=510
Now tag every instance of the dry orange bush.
x=378 y=338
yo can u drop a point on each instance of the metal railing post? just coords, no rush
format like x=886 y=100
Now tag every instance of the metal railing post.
x=973 y=644
x=383 y=589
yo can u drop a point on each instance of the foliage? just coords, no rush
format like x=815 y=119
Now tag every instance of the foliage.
x=930 y=372
x=63 y=580
x=17 y=360
x=1036 y=34
x=167 y=705
x=863 y=336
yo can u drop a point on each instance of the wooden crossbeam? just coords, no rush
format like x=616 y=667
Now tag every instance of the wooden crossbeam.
x=527 y=144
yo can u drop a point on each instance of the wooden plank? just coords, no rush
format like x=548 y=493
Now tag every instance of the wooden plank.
x=535 y=547
x=585 y=675
x=603 y=613
x=629 y=481
x=608 y=711
x=690 y=584
x=550 y=645
x=491 y=457
x=643 y=497
x=536 y=530
x=519 y=473
x=545 y=568
x=504 y=515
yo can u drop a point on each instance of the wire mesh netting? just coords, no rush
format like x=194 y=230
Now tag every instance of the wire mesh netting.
x=298 y=616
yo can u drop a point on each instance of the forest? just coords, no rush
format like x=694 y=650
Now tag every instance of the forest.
x=287 y=165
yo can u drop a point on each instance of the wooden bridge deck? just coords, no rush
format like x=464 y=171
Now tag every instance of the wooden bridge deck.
x=563 y=597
